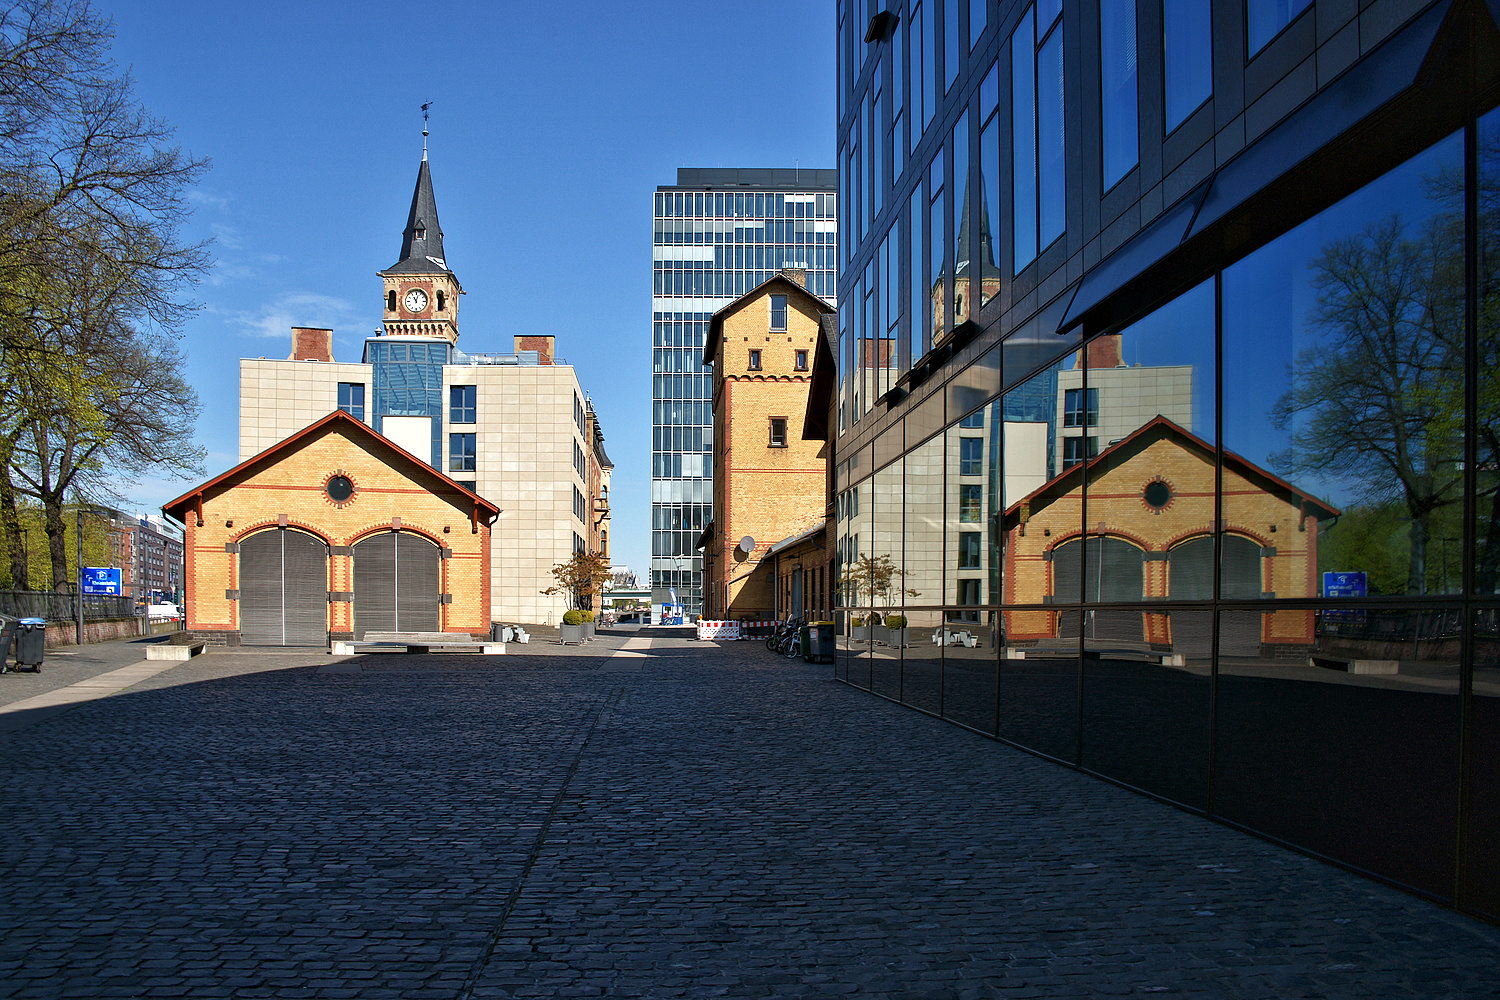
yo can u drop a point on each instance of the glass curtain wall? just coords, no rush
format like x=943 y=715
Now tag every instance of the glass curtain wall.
x=711 y=247
x=1242 y=553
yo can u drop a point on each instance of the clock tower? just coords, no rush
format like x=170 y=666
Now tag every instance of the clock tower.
x=421 y=293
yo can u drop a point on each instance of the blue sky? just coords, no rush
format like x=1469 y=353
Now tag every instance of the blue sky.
x=551 y=126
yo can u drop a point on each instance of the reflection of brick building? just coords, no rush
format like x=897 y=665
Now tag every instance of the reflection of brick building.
x=1150 y=519
x=149 y=553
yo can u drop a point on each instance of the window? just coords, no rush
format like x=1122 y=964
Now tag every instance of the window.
x=754 y=360
x=1264 y=19
x=461 y=404
x=1187 y=51
x=778 y=432
x=1039 y=193
x=977 y=11
x=950 y=43
x=1074 y=414
x=975 y=419
x=802 y=361
x=970 y=504
x=352 y=399
x=461 y=452
x=971 y=456
x=968 y=594
x=1076 y=449
x=1117 y=81
x=778 y=312
x=968 y=550
x=441 y=301
x=390 y=300
x=467 y=484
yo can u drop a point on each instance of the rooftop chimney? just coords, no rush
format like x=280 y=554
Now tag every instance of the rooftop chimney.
x=310 y=343
x=797 y=274
x=542 y=345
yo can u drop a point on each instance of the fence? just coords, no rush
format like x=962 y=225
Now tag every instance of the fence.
x=55 y=606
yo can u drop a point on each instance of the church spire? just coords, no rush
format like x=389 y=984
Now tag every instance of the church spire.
x=422 y=240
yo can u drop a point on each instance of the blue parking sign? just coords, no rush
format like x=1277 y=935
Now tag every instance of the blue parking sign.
x=102 y=580
x=1348 y=584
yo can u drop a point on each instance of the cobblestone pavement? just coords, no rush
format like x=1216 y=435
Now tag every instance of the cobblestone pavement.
x=683 y=820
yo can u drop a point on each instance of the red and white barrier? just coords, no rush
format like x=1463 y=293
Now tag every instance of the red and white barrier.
x=718 y=630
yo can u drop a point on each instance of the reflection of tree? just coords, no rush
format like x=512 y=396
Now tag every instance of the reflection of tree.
x=875 y=577
x=1379 y=398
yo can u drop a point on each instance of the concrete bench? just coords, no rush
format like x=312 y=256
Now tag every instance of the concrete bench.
x=418 y=642
x=175 y=651
x=1352 y=665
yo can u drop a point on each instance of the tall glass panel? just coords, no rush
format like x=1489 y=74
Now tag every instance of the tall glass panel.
x=881 y=573
x=1041 y=509
x=1023 y=139
x=1119 y=92
x=938 y=249
x=1146 y=396
x=1051 y=170
x=916 y=307
x=854 y=583
x=978 y=10
x=1187 y=55
x=1264 y=19
x=1345 y=413
x=917 y=45
x=929 y=63
x=1483 y=859
x=922 y=584
x=959 y=224
x=970 y=636
x=952 y=42
x=989 y=209
x=1345 y=421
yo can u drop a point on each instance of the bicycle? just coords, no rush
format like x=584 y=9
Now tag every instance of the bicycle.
x=786 y=638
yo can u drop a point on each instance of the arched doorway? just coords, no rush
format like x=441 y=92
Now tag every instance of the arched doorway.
x=283 y=589
x=1115 y=572
x=1190 y=577
x=396 y=584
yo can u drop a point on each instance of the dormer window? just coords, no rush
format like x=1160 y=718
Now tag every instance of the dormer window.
x=419 y=233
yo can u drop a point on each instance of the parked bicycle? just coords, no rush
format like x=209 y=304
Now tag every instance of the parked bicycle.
x=786 y=638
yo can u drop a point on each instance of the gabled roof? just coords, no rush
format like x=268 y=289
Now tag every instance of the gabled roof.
x=337 y=420
x=424 y=254
x=1137 y=441
x=716 y=321
x=802 y=536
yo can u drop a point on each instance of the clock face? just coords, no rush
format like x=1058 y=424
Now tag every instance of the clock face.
x=416 y=300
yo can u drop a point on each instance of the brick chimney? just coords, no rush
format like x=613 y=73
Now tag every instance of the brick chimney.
x=542 y=345
x=309 y=343
x=797 y=274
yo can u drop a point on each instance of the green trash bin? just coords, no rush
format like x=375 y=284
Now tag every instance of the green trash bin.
x=804 y=638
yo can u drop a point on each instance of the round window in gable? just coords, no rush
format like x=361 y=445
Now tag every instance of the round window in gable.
x=340 y=488
x=1158 y=494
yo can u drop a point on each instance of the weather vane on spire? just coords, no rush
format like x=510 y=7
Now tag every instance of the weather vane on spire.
x=424 y=128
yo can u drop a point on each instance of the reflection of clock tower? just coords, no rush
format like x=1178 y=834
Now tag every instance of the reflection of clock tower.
x=421 y=294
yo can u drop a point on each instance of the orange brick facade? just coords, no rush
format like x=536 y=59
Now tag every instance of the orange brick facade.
x=765 y=489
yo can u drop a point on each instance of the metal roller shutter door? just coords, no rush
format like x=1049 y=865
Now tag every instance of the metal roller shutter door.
x=417 y=583
x=1239 y=579
x=283 y=589
x=1116 y=574
x=1190 y=577
x=396 y=584
x=375 y=584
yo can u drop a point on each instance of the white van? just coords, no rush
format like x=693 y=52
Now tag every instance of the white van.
x=171 y=611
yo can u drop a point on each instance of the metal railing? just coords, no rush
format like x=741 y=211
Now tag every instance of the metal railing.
x=55 y=606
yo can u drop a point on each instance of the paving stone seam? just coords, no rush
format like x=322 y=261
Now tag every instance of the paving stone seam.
x=471 y=982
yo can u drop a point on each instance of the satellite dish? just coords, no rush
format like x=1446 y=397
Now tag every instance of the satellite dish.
x=747 y=545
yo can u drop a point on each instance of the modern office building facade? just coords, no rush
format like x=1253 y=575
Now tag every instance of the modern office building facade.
x=718 y=233
x=1167 y=334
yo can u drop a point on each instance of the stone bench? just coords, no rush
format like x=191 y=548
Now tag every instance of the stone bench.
x=418 y=642
x=175 y=651
x=1353 y=665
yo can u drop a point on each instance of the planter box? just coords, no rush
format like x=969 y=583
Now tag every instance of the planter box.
x=571 y=633
x=896 y=637
x=859 y=633
x=880 y=634
x=588 y=629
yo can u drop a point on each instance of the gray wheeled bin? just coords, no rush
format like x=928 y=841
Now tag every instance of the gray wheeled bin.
x=31 y=643
x=817 y=642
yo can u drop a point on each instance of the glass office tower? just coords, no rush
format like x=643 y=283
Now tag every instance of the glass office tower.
x=718 y=234
x=1166 y=409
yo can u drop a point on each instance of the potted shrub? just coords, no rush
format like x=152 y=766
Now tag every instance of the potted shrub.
x=878 y=632
x=858 y=630
x=588 y=625
x=896 y=630
x=572 y=627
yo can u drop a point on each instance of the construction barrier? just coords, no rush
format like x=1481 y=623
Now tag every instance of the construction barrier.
x=758 y=630
x=718 y=630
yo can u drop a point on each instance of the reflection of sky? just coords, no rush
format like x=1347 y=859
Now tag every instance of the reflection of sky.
x=1180 y=333
x=1269 y=302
